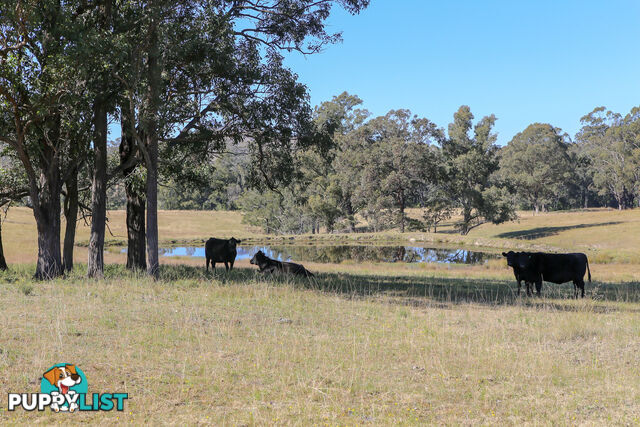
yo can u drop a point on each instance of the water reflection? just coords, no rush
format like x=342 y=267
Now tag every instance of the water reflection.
x=341 y=253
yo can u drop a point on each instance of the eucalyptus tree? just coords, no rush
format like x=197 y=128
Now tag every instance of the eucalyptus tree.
x=102 y=32
x=41 y=51
x=536 y=162
x=398 y=160
x=471 y=161
x=340 y=120
x=203 y=75
x=612 y=143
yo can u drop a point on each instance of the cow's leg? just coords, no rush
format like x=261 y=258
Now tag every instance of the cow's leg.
x=519 y=284
x=231 y=264
x=226 y=266
x=529 y=288
x=578 y=284
x=208 y=264
x=213 y=265
x=539 y=287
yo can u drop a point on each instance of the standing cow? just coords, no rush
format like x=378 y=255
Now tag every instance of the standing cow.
x=518 y=261
x=220 y=250
x=554 y=268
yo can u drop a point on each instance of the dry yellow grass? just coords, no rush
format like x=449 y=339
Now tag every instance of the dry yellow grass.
x=610 y=238
x=373 y=343
x=19 y=235
x=240 y=350
x=608 y=232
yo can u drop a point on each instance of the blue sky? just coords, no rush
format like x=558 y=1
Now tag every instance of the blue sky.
x=524 y=61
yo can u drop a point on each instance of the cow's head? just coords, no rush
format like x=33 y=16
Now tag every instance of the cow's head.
x=511 y=258
x=522 y=260
x=258 y=258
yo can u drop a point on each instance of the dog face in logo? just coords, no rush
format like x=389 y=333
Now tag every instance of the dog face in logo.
x=63 y=377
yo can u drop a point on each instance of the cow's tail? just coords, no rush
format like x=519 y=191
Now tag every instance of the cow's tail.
x=589 y=270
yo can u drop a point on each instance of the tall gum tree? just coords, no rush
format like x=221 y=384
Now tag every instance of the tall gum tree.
x=226 y=72
x=39 y=58
x=471 y=155
x=536 y=162
x=612 y=144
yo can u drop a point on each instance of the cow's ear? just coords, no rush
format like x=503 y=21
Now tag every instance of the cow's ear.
x=504 y=254
x=238 y=241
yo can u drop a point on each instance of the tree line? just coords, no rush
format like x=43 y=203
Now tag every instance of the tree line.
x=183 y=80
x=210 y=118
x=377 y=167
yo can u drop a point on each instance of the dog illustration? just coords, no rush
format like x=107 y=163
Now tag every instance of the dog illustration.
x=63 y=377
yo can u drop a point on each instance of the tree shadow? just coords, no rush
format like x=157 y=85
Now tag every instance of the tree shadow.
x=540 y=232
x=425 y=291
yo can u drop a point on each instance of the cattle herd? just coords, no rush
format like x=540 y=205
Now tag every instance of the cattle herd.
x=532 y=268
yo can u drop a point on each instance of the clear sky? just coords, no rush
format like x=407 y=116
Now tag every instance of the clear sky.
x=525 y=61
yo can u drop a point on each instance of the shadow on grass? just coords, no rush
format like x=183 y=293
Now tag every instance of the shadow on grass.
x=417 y=291
x=540 y=232
x=423 y=290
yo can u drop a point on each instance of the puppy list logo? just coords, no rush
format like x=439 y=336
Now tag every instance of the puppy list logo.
x=63 y=388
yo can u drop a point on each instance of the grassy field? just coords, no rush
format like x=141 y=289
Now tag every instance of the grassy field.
x=610 y=238
x=358 y=344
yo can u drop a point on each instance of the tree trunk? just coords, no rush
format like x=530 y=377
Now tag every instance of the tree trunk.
x=466 y=219
x=71 y=215
x=134 y=189
x=46 y=210
x=402 y=214
x=151 y=136
x=95 y=265
x=3 y=262
x=136 y=245
x=351 y=216
x=44 y=191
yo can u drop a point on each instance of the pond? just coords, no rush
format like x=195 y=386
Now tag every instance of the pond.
x=340 y=253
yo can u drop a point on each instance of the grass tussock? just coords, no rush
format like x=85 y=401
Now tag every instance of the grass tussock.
x=240 y=348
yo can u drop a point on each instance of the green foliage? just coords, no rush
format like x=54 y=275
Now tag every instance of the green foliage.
x=611 y=143
x=438 y=208
x=396 y=159
x=215 y=185
x=273 y=212
x=536 y=163
x=471 y=161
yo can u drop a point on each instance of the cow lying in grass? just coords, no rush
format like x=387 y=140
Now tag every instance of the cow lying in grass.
x=554 y=268
x=268 y=265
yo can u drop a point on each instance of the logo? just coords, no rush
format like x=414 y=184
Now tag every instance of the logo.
x=64 y=388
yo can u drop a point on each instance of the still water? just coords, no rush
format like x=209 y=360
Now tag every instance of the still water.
x=339 y=253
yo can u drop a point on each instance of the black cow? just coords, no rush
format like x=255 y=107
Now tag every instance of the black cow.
x=268 y=265
x=220 y=250
x=521 y=273
x=555 y=268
